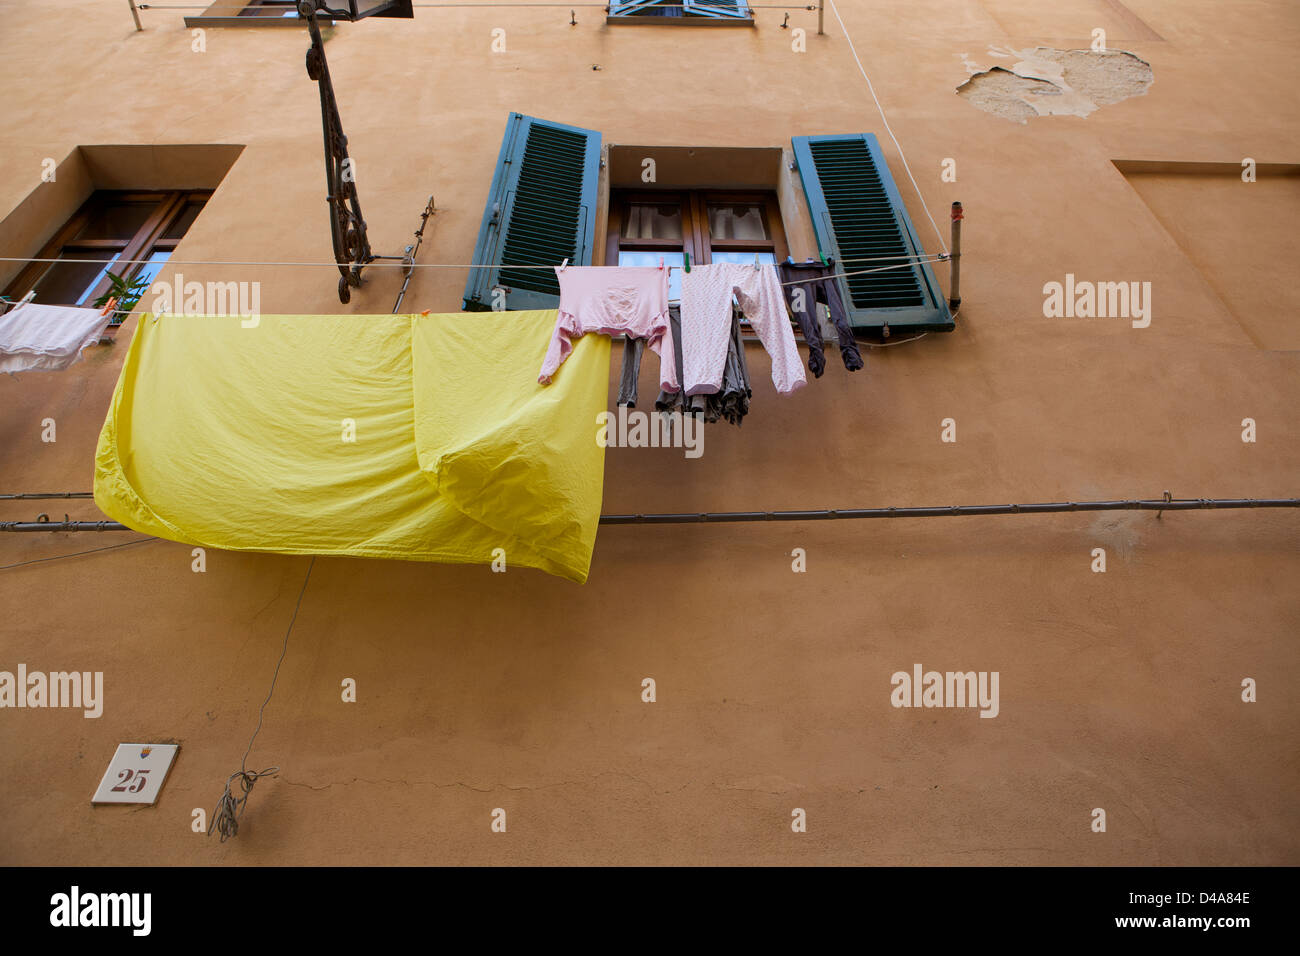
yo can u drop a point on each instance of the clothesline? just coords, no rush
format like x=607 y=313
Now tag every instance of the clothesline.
x=912 y=261
x=431 y=6
x=368 y=265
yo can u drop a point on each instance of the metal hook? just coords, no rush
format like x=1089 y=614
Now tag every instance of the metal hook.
x=1167 y=500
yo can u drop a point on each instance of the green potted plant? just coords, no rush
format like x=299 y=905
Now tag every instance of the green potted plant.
x=127 y=294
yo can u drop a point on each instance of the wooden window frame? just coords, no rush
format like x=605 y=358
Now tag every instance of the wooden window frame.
x=148 y=239
x=696 y=240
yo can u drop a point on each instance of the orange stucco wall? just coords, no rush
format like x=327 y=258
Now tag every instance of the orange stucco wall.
x=477 y=690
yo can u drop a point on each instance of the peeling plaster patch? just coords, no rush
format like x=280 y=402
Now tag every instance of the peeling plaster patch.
x=1003 y=93
x=1046 y=82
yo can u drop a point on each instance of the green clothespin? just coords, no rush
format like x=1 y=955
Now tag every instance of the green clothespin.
x=822 y=256
x=688 y=262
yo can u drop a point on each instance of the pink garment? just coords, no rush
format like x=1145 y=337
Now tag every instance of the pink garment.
x=614 y=300
x=706 y=324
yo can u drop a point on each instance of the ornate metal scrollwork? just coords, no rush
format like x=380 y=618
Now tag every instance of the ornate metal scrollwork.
x=347 y=227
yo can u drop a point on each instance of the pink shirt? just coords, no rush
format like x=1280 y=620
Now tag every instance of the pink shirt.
x=614 y=300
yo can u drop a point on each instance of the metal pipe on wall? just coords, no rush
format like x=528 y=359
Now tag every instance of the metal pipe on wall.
x=954 y=293
x=723 y=517
x=135 y=15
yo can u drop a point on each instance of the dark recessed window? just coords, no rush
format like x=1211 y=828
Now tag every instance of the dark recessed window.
x=128 y=233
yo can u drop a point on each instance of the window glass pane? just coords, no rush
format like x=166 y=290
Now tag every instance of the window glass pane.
x=738 y=221
x=181 y=224
x=671 y=260
x=152 y=267
x=653 y=221
x=744 y=258
x=70 y=283
x=118 y=220
x=766 y=258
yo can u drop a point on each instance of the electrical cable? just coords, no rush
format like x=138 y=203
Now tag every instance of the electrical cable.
x=225 y=818
x=77 y=554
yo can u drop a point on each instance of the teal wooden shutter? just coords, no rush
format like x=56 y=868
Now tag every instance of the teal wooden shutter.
x=858 y=215
x=623 y=8
x=540 y=211
x=717 y=8
x=737 y=9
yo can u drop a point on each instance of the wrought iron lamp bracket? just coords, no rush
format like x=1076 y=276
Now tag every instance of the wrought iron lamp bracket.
x=347 y=226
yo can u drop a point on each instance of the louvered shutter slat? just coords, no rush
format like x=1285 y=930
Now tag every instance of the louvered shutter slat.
x=858 y=216
x=539 y=212
x=716 y=8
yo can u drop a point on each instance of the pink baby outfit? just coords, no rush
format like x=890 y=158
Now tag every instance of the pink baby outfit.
x=615 y=300
x=706 y=324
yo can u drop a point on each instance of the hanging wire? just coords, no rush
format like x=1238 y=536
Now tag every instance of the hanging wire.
x=912 y=261
x=225 y=818
x=434 y=6
x=888 y=129
x=77 y=554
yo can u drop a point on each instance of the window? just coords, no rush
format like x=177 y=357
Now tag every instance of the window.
x=140 y=229
x=251 y=13
x=699 y=12
x=271 y=8
x=710 y=226
x=269 y=13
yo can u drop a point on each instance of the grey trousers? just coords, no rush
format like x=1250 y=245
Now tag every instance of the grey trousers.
x=730 y=402
x=814 y=279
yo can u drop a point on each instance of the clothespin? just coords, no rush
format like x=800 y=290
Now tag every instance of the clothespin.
x=756 y=262
x=109 y=306
x=822 y=256
x=661 y=263
x=688 y=262
x=14 y=306
x=565 y=264
x=426 y=311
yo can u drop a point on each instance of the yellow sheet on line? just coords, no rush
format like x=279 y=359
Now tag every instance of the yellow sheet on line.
x=234 y=438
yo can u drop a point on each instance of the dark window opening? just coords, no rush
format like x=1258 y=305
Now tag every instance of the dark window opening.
x=131 y=234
